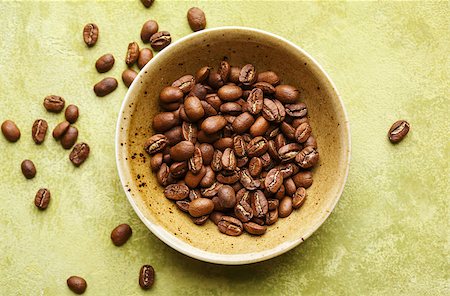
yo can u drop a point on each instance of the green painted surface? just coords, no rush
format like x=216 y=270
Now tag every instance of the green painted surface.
x=389 y=233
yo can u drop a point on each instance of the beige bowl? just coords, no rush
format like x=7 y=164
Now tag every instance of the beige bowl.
x=267 y=52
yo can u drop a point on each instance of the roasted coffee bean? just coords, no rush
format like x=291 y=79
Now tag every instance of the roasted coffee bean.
x=272 y=150
x=156 y=161
x=160 y=40
x=217 y=205
x=69 y=138
x=230 y=119
x=254 y=228
x=183 y=205
x=227 y=196
x=303 y=179
x=193 y=108
x=243 y=122
x=10 y=131
x=42 y=198
x=224 y=70
x=243 y=211
x=239 y=146
x=398 y=131
x=182 y=151
x=310 y=142
x=248 y=182
x=231 y=108
x=171 y=94
x=288 y=130
x=287 y=94
x=199 y=91
x=54 y=103
x=196 y=19
x=237 y=186
x=230 y=226
x=200 y=207
x=280 y=141
x=223 y=143
x=272 y=131
x=266 y=160
x=273 y=204
x=203 y=137
x=121 y=234
x=105 y=86
x=299 y=198
x=266 y=87
x=166 y=156
x=214 y=101
x=176 y=192
x=163 y=176
x=213 y=124
x=185 y=83
x=193 y=180
x=179 y=169
x=196 y=161
x=259 y=127
x=229 y=178
x=79 y=154
x=243 y=195
x=60 y=129
x=209 y=178
x=234 y=74
x=189 y=132
x=260 y=206
x=255 y=166
x=273 y=180
x=39 y=131
x=77 y=284
x=174 y=135
x=285 y=208
x=200 y=220
x=229 y=160
x=229 y=92
x=273 y=110
x=71 y=113
x=128 y=77
x=280 y=193
x=215 y=80
x=209 y=110
x=248 y=75
x=296 y=110
x=257 y=147
x=164 y=121
x=288 y=169
x=104 y=63
x=207 y=153
x=269 y=77
x=132 y=54
x=194 y=194
x=289 y=151
x=145 y=55
x=302 y=132
x=202 y=74
x=211 y=190
x=147 y=273
x=298 y=121
x=28 y=169
x=149 y=28
x=155 y=143
x=242 y=161
x=307 y=158
x=90 y=34
x=255 y=101
x=215 y=217
x=272 y=217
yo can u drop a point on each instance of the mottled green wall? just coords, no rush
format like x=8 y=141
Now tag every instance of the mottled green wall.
x=389 y=233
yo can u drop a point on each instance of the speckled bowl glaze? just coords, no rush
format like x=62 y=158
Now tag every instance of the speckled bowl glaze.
x=267 y=52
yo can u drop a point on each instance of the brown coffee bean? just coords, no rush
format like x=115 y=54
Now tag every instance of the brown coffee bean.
x=273 y=180
x=90 y=34
x=272 y=131
x=179 y=169
x=227 y=196
x=182 y=151
x=149 y=28
x=163 y=175
x=186 y=83
x=54 y=103
x=194 y=194
x=71 y=113
x=229 y=160
x=299 y=198
x=280 y=193
x=398 y=131
x=196 y=161
x=200 y=207
x=259 y=204
x=289 y=151
x=254 y=228
x=280 y=141
x=196 y=19
x=255 y=101
x=145 y=55
x=272 y=150
x=164 y=121
x=266 y=87
x=193 y=108
x=156 y=161
x=223 y=143
x=215 y=217
x=310 y=142
x=288 y=130
x=200 y=220
x=60 y=129
x=183 y=205
x=207 y=153
x=243 y=195
x=303 y=179
x=79 y=154
x=203 y=137
x=229 y=92
x=171 y=94
x=243 y=122
x=105 y=86
x=273 y=110
x=213 y=124
x=230 y=226
x=189 y=132
x=42 y=198
x=202 y=74
x=231 y=108
x=288 y=169
x=28 y=169
x=147 y=273
x=239 y=146
x=259 y=127
x=287 y=94
x=160 y=40
x=211 y=190
x=147 y=4
x=269 y=77
x=104 y=63
x=243 y=211
x=174 y=135
x=215 y=80
x=209 y=178
x=248 y=182
x=273 y=204
x=224 y=70
x=132 y=54
x=302 y=132
x=121 y=234
x=216 y=163
x=255 y=166
x=176 y=192
x=257 y=147
x=214 y=101
x=10 y=131
x=248 y=75
x=77 y=284
x=155 y=143
x=69 y=138
x=272 y=217
x=228 y=177
x=39 y=131
x=128 y=77
x=296 y=110
x=285 y=208
x=308 y=157
x=193 y=180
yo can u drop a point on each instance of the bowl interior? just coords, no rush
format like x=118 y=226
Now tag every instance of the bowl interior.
x=266 y=52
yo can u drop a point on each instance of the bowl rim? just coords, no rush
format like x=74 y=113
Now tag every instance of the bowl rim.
x=185 y=248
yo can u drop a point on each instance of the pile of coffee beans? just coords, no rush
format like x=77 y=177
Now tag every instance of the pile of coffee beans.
x=233 y=145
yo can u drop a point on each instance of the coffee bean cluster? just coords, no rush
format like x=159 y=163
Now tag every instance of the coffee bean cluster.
x=233 y=145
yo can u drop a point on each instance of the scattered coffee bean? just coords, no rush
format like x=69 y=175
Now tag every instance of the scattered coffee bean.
x=160 y=40
x=77 y=284
x=398 y=131
x=60 y=129
x=39 y=130
x=54 y=103
x=146 y=275
x=145 y=55
x=286 y=94
x=269 y=77
x=10 y=131
x=105 y=86
x=42 y=199
x=128 y=77
x=71 y=113
x=196 y=18
x=79 y=154
x=285 y=208
x=176 y=192
x=90 y=34
x=147 y=3
x=69 y=138
x=299 y=198
x=104 y=63
x=121 y=234
x=28 y=169
x=149 y=28
x=230 y=226
x=254 y=228
x=200 y=207
x=132 y=54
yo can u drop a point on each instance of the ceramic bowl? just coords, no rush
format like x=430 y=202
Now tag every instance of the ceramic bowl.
x=266 y=51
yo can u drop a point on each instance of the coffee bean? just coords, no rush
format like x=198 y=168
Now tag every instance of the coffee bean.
x=231 y=108
x=183 y=205
x=196 y=161
x=76 y=284
x=296 y=110
x=160 y=40
x=248 y=182
x=179 y=169
x=200 y=220
x=145 y=55
x=272 y=217
x=308 y=157
x=176 y=192
x=215 y=80
x=243 y=122
x=39 y=131
x=171 y=94
x=182 y=151
x=164 y=121
x=185 y=83
x=188 y=132
x=288 y=169
x=128 y=77
x=229 y=92
x=207 y=153
x=203 y=137
x=257 y=147
x=286 y=94
x=289 y=151
x=202 y=74
x=163 y=176
x=227 y=196
x=273 y=110
x=28 y=169
x=266 y=87
x=121 y=234
x=224 y=70
x=196 y=19
x=105 y=86
x=288 y=130
x=200 y=207
x=398 y=131
x=132 y=54
x=229 y=160
x=215 y=217
x=273 y=204
x=147 y=3
x=155 y=143
x=193 y=108
x=259 y=127
x=254 y=228
x=156 y=161
x=255 y=101
x=302 y=132
x=54 y=103
x=230 y=226
x=104 y=63
x=260 y=206
x=79 y=154
x=303 y=179
x=299 y=198
x=273 y=180
x=193 y=180
x=147 y=273
x=42 y=198
x=10 y=131
x=60 y=129
x=211 y=190
x=255 y=166
x=228 y=177
x=213 y=124
x=243 y=211
x=69 y=138
x=239 y=146
x=90 y=34
x=269 y=77
x=209 y=178
x=223 y=143
x=71 y=113
x=285 y=208
x=149 y=28
x=248 y=75
x=310 y=142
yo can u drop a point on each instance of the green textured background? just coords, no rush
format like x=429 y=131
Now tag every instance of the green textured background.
x=389 y=233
